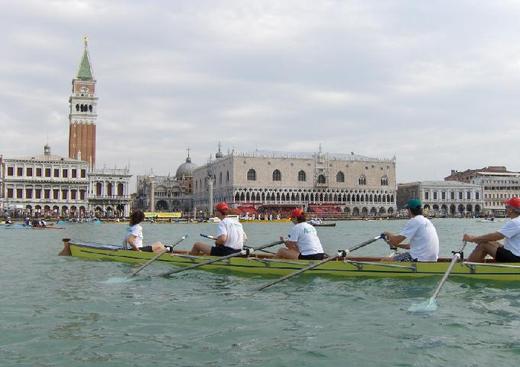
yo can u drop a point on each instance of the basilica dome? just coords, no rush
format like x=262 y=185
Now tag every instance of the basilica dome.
x=185 y=169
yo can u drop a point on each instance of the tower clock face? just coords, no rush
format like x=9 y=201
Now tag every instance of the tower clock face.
x=84 y=89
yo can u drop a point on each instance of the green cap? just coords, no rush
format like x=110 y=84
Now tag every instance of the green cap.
x=413 y=204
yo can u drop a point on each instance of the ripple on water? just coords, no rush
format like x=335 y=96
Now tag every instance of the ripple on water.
x=59 y=311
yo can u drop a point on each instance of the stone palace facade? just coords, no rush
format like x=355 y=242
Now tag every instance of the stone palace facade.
x=323 y=183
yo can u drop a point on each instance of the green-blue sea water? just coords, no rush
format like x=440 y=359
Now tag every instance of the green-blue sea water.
x=63 y=311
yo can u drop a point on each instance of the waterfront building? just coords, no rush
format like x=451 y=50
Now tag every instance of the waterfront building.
x=109 y=192
x=326 y=184
x=45 y=185
x=166 y=193
x=443 y=198
x=497 y=183
x=83 y=113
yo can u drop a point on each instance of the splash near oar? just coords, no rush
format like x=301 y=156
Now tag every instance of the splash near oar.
x=431 y=304
x=341 y=254
x=245 y=252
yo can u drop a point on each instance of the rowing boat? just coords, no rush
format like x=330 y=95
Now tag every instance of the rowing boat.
x=264 y=265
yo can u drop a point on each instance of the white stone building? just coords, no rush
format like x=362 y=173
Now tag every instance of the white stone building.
x=109 y=192
x=323 y=183
x=45 y=184
x=443 y=198
x=497 y=187
x=497 y=183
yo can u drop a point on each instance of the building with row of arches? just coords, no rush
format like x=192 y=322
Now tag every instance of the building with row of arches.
x=443 y=198
x=325 y=183
x=51 y=185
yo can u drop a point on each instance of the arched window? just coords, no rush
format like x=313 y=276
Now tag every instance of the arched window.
x=277 y=175
x=227 y=177
x=90 y=107
x=321 y=179
x=251 y=175
x=384 y=181
x=362 y=180
x=220 y=178
x=77 y=107
x=302 y=177
x=120 y=189
x=340 y=177
x=99 y=187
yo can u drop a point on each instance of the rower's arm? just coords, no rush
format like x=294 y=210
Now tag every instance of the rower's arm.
x=489 y=237
x=394 y=240
x=221 y=240
x=292 y=245
x=131 y=240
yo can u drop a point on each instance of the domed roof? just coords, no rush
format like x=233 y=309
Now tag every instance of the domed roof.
x=185 y=169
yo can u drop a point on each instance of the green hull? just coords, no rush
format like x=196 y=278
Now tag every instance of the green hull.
x=353 y=267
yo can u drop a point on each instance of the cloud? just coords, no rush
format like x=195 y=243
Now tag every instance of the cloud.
x=434 y=84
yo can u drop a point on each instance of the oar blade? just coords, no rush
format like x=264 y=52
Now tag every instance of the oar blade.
x=424 y=307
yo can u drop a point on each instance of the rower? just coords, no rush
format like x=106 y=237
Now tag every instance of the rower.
x=488 y=244
x=421 y=233
x=134 y=236
x=303 y=242
x=230 y=236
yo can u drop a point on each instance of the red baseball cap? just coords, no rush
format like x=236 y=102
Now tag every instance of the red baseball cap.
x=296 y=213
x=513 y=202
x=222 y=207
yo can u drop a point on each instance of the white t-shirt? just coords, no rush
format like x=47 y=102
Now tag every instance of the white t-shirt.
x=424 y=242
x=511 y=230
x=306 y=238
x=234 y=231
x=137 y=231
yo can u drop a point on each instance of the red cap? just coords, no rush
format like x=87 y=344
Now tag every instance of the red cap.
x=222 y=207
x=296 y=213
x=513 y=202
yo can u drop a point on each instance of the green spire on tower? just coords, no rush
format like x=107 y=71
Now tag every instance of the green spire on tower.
x=85 y=70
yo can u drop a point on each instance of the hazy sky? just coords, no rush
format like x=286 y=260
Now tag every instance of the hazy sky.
x=435 y=83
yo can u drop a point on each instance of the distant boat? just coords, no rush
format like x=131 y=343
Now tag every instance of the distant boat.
x=320 y=223
x=488 y=220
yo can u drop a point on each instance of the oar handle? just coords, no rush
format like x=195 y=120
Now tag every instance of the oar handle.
x=208 y=236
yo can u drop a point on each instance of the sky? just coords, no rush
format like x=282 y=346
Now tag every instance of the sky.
x=434 y=83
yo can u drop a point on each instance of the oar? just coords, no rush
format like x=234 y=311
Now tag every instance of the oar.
x=341 y=254
x=158 y=256
x=431 y=304
x=208 y=236
x=241 y=253
x=246 y=247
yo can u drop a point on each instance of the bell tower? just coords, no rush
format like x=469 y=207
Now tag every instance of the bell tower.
x=83 y=113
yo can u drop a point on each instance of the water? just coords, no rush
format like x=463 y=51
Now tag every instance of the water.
x=62 y=311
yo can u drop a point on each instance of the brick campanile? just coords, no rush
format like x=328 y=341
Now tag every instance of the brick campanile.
x=83 y=113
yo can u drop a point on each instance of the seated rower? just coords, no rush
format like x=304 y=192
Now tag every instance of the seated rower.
x=421 y=233
x=488 y=244
x=303 y=242
x=230 y=236
x=134 y=236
